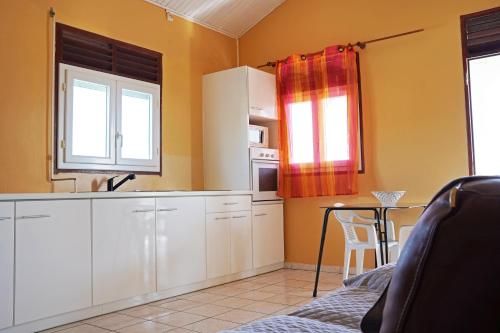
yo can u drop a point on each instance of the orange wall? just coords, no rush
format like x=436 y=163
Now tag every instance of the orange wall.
x=189 y=51
x=413 y=98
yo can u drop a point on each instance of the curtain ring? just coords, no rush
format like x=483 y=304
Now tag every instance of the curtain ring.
x=341 y=48
x=303 y=57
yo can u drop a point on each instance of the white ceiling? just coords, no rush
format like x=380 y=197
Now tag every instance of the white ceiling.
x=230 y=17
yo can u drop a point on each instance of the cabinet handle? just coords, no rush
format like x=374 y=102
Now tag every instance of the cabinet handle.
x=230 y=203
x=263 y=214
x=3 y=218
x=167 y=209
x=27 y=217
x=143 y=210
x=256 y=108
x=239 y=217
x=222 y=218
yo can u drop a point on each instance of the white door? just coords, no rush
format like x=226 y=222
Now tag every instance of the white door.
x=218 y=244
x=267 y=223
x=6 y=264
x=53 y=258
x=180 y=241
x=123 y=248
x=262 y=94
x=241 y=242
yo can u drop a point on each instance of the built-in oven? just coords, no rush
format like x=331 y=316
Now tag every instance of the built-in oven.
x=264 y=174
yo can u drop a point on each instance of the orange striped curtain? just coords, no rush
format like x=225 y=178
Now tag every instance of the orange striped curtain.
x=318 y=111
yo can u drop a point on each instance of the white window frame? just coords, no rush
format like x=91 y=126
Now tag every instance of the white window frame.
x=65 y=160
x=155 y=93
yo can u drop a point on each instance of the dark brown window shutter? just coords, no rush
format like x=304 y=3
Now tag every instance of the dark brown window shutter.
x=482 y=33
x=85 y=49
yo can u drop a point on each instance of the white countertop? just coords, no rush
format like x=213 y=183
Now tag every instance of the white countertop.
x=115 y=194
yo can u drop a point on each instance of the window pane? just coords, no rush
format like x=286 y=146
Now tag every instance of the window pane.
x=485 y=102
x=335 y=129
x=301 y=133
x=136 y=125
x=90 y=135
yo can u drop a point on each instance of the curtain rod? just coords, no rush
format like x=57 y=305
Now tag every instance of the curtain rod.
x=360 y=45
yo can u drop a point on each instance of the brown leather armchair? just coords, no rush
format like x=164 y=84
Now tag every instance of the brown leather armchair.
x=448 y=276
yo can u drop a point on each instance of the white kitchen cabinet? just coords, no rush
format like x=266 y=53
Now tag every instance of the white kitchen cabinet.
x=267 y=225
x=229 y=243
x=123 y=246
x=261 y=94
x=53 y=258
x=180 y=241
x=241 y=242
x=218 y=244
x=6 y=264
x=233 y=203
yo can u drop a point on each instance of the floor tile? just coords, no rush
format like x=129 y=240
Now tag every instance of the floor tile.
x=147 y=312
x=286 y=299
x=180 y=330
x=293 y=283
x=211 y=325
x=146 y=327
x=180 y=305
x=203 y=297
x=85 y=328
x=209 y=310
x=264 y=307
x=234 y=302
x=116 y=321
x=256 y=295
x=286 y=310
x=226 y=291
x=240 y=316
x=180 y=319
x=60 y=328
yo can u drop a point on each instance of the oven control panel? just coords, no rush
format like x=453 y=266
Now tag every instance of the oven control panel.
x=264 y=154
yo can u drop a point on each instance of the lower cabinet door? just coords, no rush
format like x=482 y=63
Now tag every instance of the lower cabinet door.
x=123 y=248
x=6 y=264
x=268 y=242
x=180 y=241
x=53 y=258
x=218 y=244
x=241 y=242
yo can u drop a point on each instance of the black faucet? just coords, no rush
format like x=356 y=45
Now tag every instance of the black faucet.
x=112 y=187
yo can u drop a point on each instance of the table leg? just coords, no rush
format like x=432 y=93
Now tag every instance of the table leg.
x=320 y=256
x=379 y=228
x=385 y=237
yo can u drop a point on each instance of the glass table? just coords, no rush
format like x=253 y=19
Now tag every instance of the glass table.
x=380 y=215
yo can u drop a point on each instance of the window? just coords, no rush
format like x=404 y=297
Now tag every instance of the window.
x=108 y=122
x=108 y=110
x=481 y=44
x=335 y=142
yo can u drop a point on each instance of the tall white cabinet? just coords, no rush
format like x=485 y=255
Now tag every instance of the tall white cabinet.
x=7 y=264
x=123 y=248
x=230 y=99
x=53 y=258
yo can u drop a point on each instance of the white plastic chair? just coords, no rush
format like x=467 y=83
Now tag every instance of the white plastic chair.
x=348 y=220
x=404 y=234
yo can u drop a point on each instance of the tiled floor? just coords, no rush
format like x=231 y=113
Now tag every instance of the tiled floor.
x=214 y=309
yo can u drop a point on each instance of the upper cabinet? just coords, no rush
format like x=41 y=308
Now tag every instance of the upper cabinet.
x=261 y=95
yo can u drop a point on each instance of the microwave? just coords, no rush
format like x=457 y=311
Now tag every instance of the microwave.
x=258 y=136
